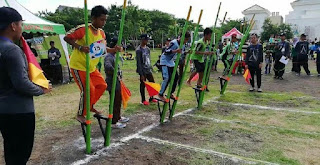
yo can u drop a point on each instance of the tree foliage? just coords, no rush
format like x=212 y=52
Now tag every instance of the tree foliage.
x=271 y=29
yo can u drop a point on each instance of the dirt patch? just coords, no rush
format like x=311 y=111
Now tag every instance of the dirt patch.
x=142 y=153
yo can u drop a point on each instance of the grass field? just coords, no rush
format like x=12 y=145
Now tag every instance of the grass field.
x=279 y=126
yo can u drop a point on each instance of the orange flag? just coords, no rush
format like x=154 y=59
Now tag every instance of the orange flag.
x=152 y=88
x=125 y=95
x=35 y=72
x=247 y=76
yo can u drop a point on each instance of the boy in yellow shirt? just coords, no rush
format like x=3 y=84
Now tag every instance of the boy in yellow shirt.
x=76 y=38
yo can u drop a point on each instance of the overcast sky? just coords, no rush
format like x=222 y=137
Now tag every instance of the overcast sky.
x=179 y=8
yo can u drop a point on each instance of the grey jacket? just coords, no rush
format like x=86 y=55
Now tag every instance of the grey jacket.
x=143 y=61
x=16 y=89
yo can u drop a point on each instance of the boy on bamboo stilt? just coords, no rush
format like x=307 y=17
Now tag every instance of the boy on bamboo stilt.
x=198 y=57
x=167 y=61
x=76 y=38
x=229 y=52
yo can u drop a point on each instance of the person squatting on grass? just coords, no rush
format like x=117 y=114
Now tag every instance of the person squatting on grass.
x=254 y=61
x=167 y=61
x=198 y=57
x=76 y=38
x=17 y=117
x=109 y=64
x=144 y=67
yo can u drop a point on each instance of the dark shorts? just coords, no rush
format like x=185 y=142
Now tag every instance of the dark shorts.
x=199 y=66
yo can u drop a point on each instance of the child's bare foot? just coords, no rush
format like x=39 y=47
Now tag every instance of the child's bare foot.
x=173 y=97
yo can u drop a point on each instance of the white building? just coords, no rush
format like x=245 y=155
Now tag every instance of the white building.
x=305 y=18
x=261 y=14
x=276 y=18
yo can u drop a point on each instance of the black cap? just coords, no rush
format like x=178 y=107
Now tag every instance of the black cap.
x=113 y=42
x=144 y=37
x=8 y=15
x=304 y=35
x=169 y=39
x=282 y=34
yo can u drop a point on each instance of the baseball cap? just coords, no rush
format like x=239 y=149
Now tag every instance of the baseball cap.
x=304 y=35
x=282 y=34
x=8 y=15
x=144 y=37
x=168 y=39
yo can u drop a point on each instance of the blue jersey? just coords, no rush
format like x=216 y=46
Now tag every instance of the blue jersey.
x=168 y=57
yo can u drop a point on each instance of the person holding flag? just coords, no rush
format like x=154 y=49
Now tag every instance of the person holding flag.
x=144 y=67
x=281 y=49
x=76 y=38
x=198 y=57
x=17 y=88
x=254 y=61
x=167 y=61
x=109 y=64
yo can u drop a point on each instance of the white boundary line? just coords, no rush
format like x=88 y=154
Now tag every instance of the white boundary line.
x=234 y=158
x=123 y=140
x=266 y=107
x=250 y=124
x=280 y=94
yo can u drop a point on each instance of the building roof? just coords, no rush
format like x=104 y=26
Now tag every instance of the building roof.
x=256 y=9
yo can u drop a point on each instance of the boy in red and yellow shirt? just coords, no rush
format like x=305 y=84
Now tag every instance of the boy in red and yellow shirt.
x=76 y=38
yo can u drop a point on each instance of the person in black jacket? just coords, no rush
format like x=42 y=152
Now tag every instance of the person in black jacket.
x=281 y=49
x=17 y=117
x=254 y=60
x=302 y=49
x=144 y=67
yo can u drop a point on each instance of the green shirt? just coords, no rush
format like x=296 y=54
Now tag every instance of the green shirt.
x=200 y=47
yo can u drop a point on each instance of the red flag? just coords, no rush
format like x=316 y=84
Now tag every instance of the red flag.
x=247 y=76
x=152 y=88
x=195 y=78
x=35 y=72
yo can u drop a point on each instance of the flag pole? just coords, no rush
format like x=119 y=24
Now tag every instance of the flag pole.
x=243 y=40
x=115 y=75
x=207 y=61
x=187 y=64
x=175 y=67
x=88 y=127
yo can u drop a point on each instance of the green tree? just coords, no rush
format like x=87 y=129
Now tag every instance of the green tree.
x=271 y=29
x=285 y=28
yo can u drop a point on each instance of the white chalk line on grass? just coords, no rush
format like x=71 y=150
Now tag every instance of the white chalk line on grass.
x=250 y=124
x=266 y=107
x=280 y=94
x=125 y=139
x=234 y=158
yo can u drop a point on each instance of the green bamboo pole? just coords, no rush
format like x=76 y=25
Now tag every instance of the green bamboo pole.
x=187 y=64
x=115 y=75
x=166 y=104
x=212 y=58
x=207 y=61
x=88 y=126
x=243 y=40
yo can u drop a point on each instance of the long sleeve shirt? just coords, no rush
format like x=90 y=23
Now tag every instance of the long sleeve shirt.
x=168 y=57
x=254 y=55
x=302 y=49
x=143 y=61
x=16 y=89
x=109 y=64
